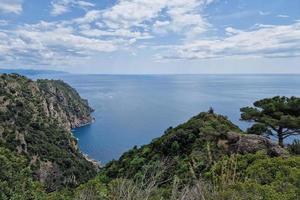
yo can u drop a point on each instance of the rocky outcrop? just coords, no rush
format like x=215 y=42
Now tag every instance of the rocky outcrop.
x=36 y=118
x=248 y=143
x=64 y=103
x=49 y=175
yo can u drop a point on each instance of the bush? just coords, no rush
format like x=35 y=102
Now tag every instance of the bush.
x=294 y=148
x=257 y=176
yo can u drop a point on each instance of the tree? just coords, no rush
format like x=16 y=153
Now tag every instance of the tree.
x=277 y=116
x=211 y=110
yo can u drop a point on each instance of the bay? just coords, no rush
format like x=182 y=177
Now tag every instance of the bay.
x=134 y=109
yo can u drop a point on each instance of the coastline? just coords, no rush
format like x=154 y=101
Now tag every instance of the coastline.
x=87 y=123
x=97 y=164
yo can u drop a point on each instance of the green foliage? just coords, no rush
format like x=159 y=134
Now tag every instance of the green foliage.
x=251 y=190
x=92 y=190
x=184 y=148
x=15 y=178
x=258 y=129
x=235 y=177
x=256 y=176
x=278 y=116
x=175 y=147
x=294 y=148
x=29 y=129
x=63 y=194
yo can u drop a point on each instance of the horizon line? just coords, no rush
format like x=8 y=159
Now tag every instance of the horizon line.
x=78 y=73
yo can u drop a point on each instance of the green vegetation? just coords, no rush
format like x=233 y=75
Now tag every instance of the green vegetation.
x=277 y=116
x=16 y=182
x=294 y=148
x=234 y=177
x=189 y=149
x=28 y=129
x=206 y=158
x=257 y=176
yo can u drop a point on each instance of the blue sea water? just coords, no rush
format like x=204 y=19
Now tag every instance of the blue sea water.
x=134 y=109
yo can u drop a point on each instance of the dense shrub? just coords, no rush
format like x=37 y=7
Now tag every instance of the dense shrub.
x=294 y=148
x=15 y=178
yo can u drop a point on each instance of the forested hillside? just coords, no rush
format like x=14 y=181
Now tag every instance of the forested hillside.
x=36 y=119
x=208 y=157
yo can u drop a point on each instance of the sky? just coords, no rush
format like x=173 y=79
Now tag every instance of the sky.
x=151 y=36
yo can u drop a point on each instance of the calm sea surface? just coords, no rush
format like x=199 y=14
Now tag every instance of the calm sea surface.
x=133 y=109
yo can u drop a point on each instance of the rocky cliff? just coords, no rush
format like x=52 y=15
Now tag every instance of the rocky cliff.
x=64 y=103
x=35 y=121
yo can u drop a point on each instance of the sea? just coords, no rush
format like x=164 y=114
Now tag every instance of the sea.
x=134 y=109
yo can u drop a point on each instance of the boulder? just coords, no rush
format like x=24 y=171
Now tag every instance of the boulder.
x=249 y=143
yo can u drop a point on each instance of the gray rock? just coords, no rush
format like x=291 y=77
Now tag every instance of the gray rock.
x=239 y=143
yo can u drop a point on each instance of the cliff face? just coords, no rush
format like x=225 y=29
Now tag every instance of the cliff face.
x=65 y=104
x=35 y=121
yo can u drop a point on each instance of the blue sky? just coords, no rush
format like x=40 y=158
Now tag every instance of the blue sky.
x=157 y=36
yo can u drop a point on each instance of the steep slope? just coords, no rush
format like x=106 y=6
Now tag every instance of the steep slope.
x=206 y=158
x=190 y=149
x=64 y=103
x=35 y=121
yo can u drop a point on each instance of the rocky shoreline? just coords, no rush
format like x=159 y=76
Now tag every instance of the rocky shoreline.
x=85 y=123
x=97 y=164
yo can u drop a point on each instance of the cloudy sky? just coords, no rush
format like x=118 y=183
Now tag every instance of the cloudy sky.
x=151 y=36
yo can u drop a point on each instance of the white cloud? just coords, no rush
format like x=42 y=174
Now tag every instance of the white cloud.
x=267 y=41
x=180 y=16
x=89 y=17
x=160 y=26
x=84 y=4
x=50 y=42
x=135 y=20
x=59 y=8
x=131 y=25
x=62 y=6
x=117 y=33
x=231 y=31
x=264 y=13
x=283 y=16
x=3 y=22
x=132 y=13
x=11 y=6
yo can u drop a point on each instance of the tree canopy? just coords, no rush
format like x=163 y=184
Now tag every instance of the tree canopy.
x=277 y=116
